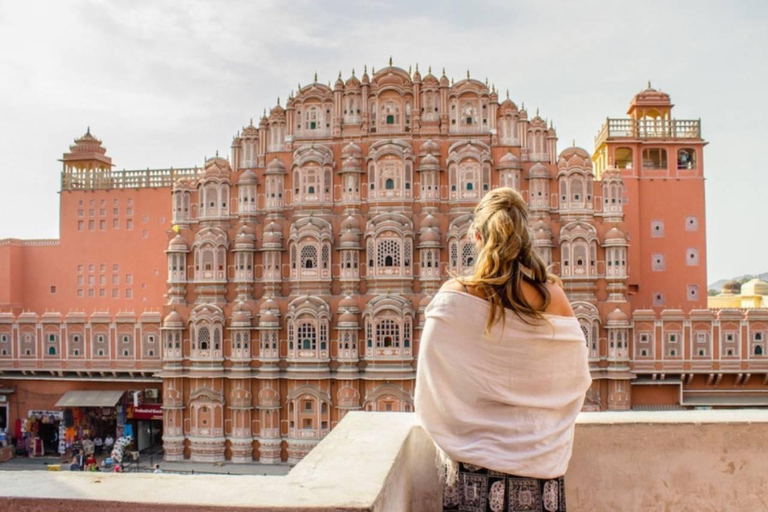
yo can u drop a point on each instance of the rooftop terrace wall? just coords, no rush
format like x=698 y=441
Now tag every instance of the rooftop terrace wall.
x=623 y=461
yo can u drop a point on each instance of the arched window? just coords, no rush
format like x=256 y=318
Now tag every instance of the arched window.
x=203 y=338
x=306 y=334
x=309 y=257
x=655 y=159
x=387 y=333
x=51 y=351
x=623 y=158
x=758 y=350
x=686 y=158
x=390 y=184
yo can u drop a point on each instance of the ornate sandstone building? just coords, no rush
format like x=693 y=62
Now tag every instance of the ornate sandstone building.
x=292 y=277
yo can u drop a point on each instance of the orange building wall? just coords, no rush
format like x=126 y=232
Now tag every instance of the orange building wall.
x=132 y=254
x=11 y=271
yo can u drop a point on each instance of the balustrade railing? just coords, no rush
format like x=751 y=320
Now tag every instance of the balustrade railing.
x=650 y=129
x=95 y=179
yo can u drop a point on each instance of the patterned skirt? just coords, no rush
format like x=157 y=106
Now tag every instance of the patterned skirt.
x=482 y=490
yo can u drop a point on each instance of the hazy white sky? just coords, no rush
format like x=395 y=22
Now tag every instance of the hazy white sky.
x=164 y=83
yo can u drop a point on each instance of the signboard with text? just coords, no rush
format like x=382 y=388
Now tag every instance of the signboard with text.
x=145 y=412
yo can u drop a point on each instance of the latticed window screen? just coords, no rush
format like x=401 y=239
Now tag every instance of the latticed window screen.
x=387 y=333
x=369 y=333
x=216 y=339
x=407 y=253
x=585 y=330
x=323 y=335
x=454 y=255
x=309 y=256
x=370 y=253
x=326 y=256
x=467 y=255
x=307 y=336
x=407 y=333
x=203 y=338
x=389 y=253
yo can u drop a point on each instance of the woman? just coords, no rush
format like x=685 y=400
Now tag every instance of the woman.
x=502 y=371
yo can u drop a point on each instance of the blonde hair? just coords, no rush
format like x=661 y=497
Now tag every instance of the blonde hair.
x=506 y=258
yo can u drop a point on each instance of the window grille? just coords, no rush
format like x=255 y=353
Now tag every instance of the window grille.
x=203 y=338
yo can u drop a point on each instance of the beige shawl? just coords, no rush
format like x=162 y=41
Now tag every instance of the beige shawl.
x=507 y=402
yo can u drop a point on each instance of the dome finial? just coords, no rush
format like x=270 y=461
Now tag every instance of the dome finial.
x=486 y=81
x=217 y=153
x=278 y=101
x=409 y=70
x=353 y=71
x=443 y=71
x=537 y=111
x=417 y=66
x=390 y=61
x=251 y=121
x=573 y=143
x=339 y=74
x=365 y=68
x=649 y=84
x=467 y=74
x=430 y=69
x=507 y=93
x=88 y=131
x=315 y=77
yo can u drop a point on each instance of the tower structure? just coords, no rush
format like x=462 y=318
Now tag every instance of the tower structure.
x=660 y=160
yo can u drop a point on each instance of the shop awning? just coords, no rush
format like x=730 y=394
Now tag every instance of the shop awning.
x=89 y=399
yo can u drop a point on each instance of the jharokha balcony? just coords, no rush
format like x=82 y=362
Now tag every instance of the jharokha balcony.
x=710 y=460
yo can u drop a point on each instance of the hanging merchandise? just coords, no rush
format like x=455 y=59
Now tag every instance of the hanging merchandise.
x=68 y=419
x=118 y=452
x=62 y=439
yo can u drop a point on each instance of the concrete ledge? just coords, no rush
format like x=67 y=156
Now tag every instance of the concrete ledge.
x=369 y=462
x=680 y=460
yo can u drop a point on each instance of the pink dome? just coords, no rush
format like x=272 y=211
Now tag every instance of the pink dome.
x=615 y=234
x=275 y=166
x=430 y=235
x=178 y=244
x=173 y=320
x=247 y=178
x=350 y=237
x=539 y=170
x=348 y=302
x=350 y=223
x=351 y=150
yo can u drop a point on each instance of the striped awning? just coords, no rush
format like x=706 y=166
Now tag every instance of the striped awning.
x=90 y=399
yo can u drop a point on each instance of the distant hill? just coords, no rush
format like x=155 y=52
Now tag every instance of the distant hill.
x=742 y=279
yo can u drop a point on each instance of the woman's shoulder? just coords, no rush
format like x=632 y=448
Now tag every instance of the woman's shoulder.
x=558 y=300
x=453 y=285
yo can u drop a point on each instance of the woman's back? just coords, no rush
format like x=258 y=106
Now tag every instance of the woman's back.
x=507 y=400
x=502 y=370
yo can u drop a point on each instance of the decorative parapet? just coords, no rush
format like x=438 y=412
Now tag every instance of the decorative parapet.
x=98 y=179
x=649 y=129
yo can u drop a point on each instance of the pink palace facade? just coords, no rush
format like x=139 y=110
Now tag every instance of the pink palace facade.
x=269 y=293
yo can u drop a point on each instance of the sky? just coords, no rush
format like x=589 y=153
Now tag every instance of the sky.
x=166 y=83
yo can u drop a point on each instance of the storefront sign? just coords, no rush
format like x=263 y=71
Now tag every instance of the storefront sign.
x=145 y=412
x=57 y=415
